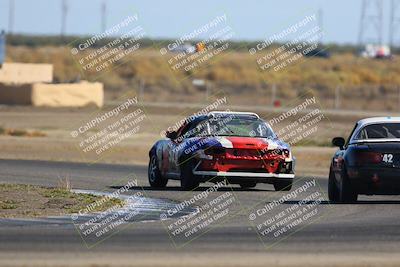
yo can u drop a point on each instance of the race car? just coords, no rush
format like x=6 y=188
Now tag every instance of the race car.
x=235 y=147
x=368 y=162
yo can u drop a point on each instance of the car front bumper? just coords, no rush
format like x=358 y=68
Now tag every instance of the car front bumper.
x=245 y=174
x=239 y=177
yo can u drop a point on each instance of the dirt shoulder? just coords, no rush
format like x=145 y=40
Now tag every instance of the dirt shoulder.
x=19 y=201
x=46 y=135
x=200 y=259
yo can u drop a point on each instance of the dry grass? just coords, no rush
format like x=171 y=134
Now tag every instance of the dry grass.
x=64 y=183
x=237 y=74
x=19 y=200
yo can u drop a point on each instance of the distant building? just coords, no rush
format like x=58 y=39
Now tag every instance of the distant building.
x=32 y=84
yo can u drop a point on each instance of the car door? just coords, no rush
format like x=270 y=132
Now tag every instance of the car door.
x=185 y=138
x=172 y=151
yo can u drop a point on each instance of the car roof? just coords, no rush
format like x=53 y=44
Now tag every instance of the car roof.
x=228 y=113
x=367 y=121
x=373 y=120
x=223 y=114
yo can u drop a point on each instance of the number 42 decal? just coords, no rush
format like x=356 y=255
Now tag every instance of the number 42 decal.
x=388 y=158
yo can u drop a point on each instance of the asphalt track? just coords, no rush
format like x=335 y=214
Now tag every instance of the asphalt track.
x=370 y=227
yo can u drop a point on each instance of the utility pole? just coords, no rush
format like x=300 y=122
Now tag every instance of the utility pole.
x=141 y=90
x=64 y=11
x=2 y=47
x=371 y=17
x=394 y=24
x=337 y=97
x=11 y=11
x=320 y=23
x=273 y=94
x=103 y=16
x=399 y=95
x=208 y=89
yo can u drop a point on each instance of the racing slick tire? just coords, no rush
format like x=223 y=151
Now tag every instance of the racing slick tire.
x=188 y=180
x=245 y=185
x=284 y=185
x=346 y=192
x=333 y=192
x=156 y=180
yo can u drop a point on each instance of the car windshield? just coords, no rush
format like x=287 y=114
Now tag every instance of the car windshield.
x=380 y=131
x=239 y=126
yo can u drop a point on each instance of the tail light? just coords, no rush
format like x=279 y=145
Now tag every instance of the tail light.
x=368 y=158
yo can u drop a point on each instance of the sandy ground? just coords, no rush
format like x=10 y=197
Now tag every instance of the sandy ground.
x=310 y=160
x=58 y=145
x=198 y=260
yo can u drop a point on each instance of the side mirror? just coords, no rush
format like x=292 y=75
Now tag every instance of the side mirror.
x=171 y=135
x=338 y=141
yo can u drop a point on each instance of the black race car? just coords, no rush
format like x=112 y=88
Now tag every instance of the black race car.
x=368 y=162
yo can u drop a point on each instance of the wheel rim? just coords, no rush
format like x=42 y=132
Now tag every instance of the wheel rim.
x=152 y=169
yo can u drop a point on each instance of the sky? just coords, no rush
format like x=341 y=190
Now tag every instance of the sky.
x=250 y=19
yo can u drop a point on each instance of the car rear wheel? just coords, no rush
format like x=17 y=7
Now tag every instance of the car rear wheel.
x=347 y=194
x=333 y=192
x=283 y=185
x=154 y=174
x=188 y=180
x=247 y=184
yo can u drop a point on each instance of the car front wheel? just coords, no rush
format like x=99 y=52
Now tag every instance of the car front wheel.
x=283 y=185
x=247 y=184
x=188 y=180
x=154 y=174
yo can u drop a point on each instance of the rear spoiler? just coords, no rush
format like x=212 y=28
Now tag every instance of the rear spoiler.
x=380 y=140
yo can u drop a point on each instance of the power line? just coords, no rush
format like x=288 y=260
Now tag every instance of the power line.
x=103 y=16
x=64 y=11
x=394 y=24
x=371 y=17
x=320 y=23
x=11 y=11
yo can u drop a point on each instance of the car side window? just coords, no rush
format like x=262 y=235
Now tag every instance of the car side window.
x=362 y=134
